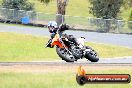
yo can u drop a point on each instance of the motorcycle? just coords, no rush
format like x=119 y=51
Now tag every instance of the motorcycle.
x=71 y=49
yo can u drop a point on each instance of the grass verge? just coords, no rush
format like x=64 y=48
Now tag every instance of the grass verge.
x=18 y=47
x=57 y=79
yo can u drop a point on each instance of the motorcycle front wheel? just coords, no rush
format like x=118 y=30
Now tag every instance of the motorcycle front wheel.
x=91 y=55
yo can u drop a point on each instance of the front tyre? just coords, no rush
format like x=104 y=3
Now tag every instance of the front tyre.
x=91 y=55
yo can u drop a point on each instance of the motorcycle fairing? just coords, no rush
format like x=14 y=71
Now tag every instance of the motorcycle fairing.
x=55 y=41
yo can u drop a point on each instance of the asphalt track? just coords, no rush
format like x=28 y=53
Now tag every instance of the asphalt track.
x=58 y=63
x=107 y=38
x=122 y=61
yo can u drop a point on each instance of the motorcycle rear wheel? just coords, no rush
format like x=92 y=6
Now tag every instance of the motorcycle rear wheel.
x=65 y=55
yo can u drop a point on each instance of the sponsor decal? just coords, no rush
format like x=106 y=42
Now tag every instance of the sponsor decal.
x=83 y=78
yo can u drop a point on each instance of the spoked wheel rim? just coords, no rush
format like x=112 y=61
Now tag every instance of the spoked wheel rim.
x=94 y=54
x=69 y=55
x=65 y=55
x=61 y=50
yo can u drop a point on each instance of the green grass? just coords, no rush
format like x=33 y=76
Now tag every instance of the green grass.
x=14 y=47
x=56 y=79
x=74 y=8
x=18 y=47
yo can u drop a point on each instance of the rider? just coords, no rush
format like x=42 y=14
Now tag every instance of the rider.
x=53 y=29
x=52 y=26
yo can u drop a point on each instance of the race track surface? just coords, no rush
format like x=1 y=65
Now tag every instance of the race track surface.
x=126 y=61
x=107 y=38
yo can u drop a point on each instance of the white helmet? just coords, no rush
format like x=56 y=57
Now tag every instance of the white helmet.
x=52 y=24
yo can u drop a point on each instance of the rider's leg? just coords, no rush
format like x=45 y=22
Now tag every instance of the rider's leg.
x=50 y=41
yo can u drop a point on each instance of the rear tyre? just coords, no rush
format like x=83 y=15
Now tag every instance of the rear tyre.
x=65 y=55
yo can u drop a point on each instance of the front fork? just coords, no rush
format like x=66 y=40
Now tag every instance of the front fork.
x=49 y=44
